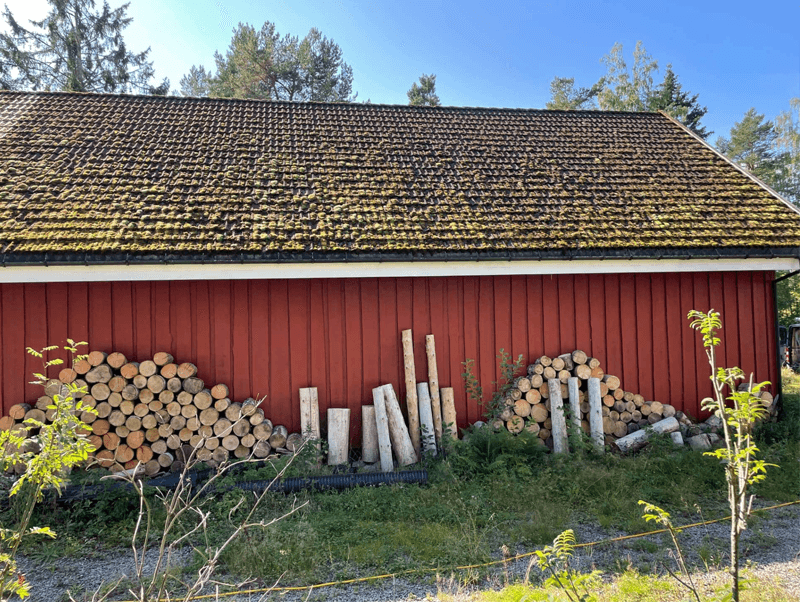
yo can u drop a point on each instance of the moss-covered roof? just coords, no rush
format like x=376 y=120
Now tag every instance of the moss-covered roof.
x=111 y=176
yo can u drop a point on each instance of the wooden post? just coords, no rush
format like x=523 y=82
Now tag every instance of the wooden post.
x=426 y=419
x=574 y=384
x=309 y=413
x=433 y=381
x=559 y=430
x=411 y=391
x=369 y=435
x=382 y=425
x=596 y=414
x=401 y=441
x=449 y=412
x=338 y=436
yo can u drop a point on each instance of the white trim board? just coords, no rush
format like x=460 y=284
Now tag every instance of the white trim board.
x=258 y=271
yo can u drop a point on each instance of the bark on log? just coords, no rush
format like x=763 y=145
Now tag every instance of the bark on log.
x=612 y=382
x=559 y=430
x=382 y=429
x=433 y=381
x=369 y=435
x=338 y=436
x=398 y=433
x=639 y=438
x=449 y=424
x=579 y=357
x=595 y=414
x=411 y=392
x=428 y=432
x=309 y=413
x=575 y=401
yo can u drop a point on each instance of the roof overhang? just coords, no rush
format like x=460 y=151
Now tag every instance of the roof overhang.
x=106 y=272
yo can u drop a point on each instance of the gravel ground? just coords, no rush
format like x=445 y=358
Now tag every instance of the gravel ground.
x=772 y=545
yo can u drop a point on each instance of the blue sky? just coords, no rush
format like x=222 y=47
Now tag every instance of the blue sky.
x=504 y=53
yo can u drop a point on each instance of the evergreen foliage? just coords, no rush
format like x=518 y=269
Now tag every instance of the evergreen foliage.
x=263 y=64
x=424 y=94
x=75 y=48
x=670 y=97
x=564 y=96
x=752 y=145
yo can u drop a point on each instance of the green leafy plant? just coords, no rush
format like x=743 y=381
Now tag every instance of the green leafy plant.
x=554 y=562
x=509 y=370
x=740 y=411
x=46 y=458
x=662 y=517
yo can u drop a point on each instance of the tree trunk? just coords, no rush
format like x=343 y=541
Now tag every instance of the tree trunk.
x=449 y=412
x=338 y=436
x=428 y=431
x=401 y=441
x=411 y=391
x=382 y=427
x=369 y=435
x=433 y=380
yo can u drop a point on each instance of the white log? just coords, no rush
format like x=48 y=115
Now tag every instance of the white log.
x=309 y=413
x=639 y=439
x=559 y=430
x=411 y=391
x=449 y=412
x=382 y=426
x=401 y=441
x=369 y=435
x=426 y=419
x=433 y=380
x=574 y=385
x=596 y=414
x=338 y=436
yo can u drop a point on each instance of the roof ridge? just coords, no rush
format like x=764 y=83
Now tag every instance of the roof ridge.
x=359 y=105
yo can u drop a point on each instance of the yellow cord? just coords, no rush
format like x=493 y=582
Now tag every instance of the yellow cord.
x=458 y=568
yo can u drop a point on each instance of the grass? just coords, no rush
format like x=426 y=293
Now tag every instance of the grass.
x=492 y=491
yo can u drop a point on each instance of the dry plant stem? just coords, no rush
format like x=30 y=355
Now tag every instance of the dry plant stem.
x=181 y=502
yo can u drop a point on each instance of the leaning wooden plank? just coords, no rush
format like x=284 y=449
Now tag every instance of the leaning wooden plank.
x=596 y=414
x=401 y=441
x=369 y=435
x=449 y=412
x=638 y=439
x=382 y=425
x=411 y=391
x=338 y=436
x=433 y=380
x=426 y=419
x=559 y=430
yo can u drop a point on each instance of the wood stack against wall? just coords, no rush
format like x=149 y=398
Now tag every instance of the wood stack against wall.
x=157 y=412
x=526 y=405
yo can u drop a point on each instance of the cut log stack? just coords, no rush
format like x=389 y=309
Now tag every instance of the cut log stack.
x=527 y=403
x=158 y=412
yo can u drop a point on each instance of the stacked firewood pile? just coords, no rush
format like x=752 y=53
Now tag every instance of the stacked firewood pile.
x=526 y=405
x=157 y=412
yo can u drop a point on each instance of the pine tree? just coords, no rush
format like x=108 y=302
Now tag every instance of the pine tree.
x=670 y=97
x=264 y=64
x=196 y=83
x=752 y=145
x=424 y=93
x=77 y=48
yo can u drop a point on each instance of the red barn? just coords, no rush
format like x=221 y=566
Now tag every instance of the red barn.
x=286 y=245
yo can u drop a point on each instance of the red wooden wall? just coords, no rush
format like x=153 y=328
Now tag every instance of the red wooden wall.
x=271 y=337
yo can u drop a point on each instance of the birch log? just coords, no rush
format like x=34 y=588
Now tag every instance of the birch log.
x=369 y=435
x=559 y=431
x=382 y=425
x=449 y=412
x=596 y=414
x=433 y=381
x=309 y=413
x=638 y=439
x=426 y=419
x=575 y=402
x=401 y=441
x=411 y=391
x=338 y=436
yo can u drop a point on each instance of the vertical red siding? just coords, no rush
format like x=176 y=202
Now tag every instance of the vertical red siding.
x=343 y=336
